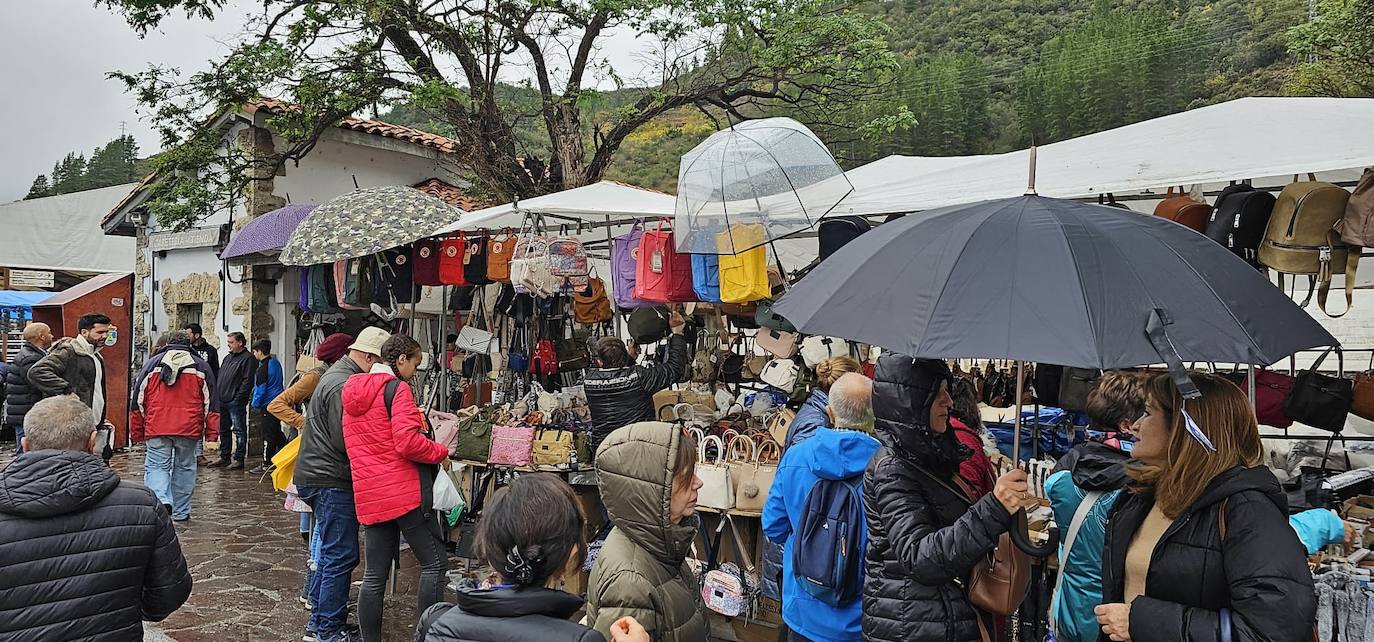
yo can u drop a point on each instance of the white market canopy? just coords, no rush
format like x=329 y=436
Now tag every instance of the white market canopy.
x=1245 y=138
x=595 y=203
x=63 y=233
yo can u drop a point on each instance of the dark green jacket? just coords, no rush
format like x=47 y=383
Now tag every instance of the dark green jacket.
x=65 y=371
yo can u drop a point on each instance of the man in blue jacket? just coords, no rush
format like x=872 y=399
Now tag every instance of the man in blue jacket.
x=267 y=384
x=838 y=453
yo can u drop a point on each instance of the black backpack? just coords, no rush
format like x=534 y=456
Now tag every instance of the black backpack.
x=836 y=232
x=649 y=325
x=1239 y=220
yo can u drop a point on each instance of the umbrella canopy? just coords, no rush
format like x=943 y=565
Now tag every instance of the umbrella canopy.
x=365 y=222
x=772 y=171
x=267 y=233
x=1052 y=281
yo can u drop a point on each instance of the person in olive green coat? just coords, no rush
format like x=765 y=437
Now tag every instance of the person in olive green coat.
x=649 y=486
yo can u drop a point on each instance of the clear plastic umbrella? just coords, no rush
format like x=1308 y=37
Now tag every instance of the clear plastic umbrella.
x=756 y=182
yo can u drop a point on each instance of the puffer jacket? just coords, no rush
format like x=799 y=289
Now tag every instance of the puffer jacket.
x=924 y=535
x=810 y=417
x=65 y=371
x=619 y=397
x=1096 y=468
x=172 y=397
x=323 y=459
x=83 y=555
x=385 y=448
x=20 y=395
x=1258 y=571
x=642 y=571
x=506 y=615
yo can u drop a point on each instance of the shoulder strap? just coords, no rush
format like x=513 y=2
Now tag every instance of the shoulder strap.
x=1221 y=522
x=1084 y=507
x=389 y=394
x=961 y=494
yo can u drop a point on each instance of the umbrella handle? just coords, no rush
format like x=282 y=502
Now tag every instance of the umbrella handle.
x=1020 y=537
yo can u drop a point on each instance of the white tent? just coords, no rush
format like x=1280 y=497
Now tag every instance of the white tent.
x=63 y=233
x=592 y=203
x=1245 y=138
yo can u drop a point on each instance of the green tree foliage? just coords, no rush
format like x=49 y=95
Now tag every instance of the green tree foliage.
x=40 y=188
x=113 y=163
x=1339 y=46
x=455 y=62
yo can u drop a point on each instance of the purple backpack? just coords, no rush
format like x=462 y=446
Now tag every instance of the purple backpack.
x=623 y=261
x=305 y=288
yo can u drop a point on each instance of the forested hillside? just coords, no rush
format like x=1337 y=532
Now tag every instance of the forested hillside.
x=986 y=76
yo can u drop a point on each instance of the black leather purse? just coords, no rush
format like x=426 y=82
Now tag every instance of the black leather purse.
x=1321 y=400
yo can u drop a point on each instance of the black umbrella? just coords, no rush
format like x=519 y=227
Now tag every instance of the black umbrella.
x=1052 y=281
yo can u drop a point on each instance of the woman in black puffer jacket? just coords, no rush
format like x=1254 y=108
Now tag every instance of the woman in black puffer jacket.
x=1202 y=530
x=925 y=533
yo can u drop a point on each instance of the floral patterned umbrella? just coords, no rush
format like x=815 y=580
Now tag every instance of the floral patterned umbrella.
x=365 y=222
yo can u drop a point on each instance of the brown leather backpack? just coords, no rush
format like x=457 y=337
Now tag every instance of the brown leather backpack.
x=1303 y=239
x=1182 y=209
x=1357 y=227
x=592 y=306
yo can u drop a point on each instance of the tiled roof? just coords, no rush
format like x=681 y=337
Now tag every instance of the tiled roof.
x=366 y=126
x=448 y=193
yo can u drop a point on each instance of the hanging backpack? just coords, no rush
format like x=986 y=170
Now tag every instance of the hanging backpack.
x=836 y=232
x=475 y=262
x=322 y=295
x=499 y=250
x=1239 y=220
x=624 y=267
x=649 y=325
x=1358 y=228
x=706 y=277
x=828 y=548
x=303 y=285
x=1301 y=239
x=544 y=361
x=743 y=275
x=424 y=257
x=661 y=274
x=393 y=281
x=1182 y=209
x=591 y=306
x=452 y=251
x=341 y=287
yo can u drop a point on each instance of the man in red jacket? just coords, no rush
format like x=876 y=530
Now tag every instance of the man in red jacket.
x=171 y=411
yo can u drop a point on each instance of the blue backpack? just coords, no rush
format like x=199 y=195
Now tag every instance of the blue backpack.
x=827 y=553
x=706 y=277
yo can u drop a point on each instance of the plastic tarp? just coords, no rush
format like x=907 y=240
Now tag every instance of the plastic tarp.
x=1245 y=138
x=591 y=203
x=63 y=233
x=22 y=299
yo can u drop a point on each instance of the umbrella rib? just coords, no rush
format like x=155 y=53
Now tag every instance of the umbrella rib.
x=1082 y=292
x=944 y=286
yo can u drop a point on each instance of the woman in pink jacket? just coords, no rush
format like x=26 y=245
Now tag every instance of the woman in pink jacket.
x=393 y=461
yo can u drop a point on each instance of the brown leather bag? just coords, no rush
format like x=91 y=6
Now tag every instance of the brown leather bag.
x=1303 y=239
x=1358 y=225
x=1182 y=209
x=999 y=581
x=592 y=306
x=1362 y=402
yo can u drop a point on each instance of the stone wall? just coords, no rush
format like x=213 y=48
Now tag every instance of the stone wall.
x=199 y=287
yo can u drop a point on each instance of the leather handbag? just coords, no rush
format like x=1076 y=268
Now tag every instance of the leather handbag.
x=716 y=490
x=1271 y=391
x=781 y=374
x=511 y=445
x=754 y=479
x=1321 y=400
x=476 y=340
x=1181 y=208
x=778 y=423
x=553 y=447
x=1000 y=579
x=591 y=305
x=1362 y=400
x=474 y=436
x=731 y=367
x=754 y=365
x=778 y=343
x=814 y=350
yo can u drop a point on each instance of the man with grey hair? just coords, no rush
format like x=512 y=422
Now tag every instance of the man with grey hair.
x=86 y=555
x=820 y=477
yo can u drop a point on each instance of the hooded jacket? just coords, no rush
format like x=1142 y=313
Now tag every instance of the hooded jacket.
x=506 y=615
x=20 y=395
x=1259 y=570
x=924 y=535
x=385 y=448
x=83 y=555
x=1096 y=468
x=323 y=459
x=171 y=397
x=66 y=370
x=810 y=417
x=642 y=570
x=621 y=396
x=826 y=454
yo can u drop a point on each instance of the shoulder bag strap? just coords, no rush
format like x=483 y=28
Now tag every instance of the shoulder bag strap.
x=1084 y=507
x=961 y=494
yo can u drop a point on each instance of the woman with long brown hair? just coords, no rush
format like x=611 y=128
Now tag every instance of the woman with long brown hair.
x=1201 y=543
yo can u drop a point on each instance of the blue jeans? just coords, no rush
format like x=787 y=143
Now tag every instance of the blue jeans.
x=169 y=470
x=336 y=535
x=19 y=440
x=235 y=433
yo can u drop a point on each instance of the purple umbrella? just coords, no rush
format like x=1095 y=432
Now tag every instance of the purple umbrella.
x=267 y=233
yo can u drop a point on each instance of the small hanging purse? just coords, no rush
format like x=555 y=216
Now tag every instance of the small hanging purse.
x=716 y=490
x=1321 y=400
x=777 y=342
x=781 y=374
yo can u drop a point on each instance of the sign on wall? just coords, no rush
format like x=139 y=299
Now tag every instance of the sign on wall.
x=39 y=279
x=198 y=237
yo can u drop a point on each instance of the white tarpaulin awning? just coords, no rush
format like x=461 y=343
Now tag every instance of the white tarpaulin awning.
x=63 y=233
x=1245 y=138
x=591 y=203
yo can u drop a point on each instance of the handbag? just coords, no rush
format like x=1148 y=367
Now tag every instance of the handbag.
x=499 y=251
x=743 y=275
x=1362 y=396
x=1271 y=392
x=778 y=423
x=754 y=365
x=1320 y=400
x=716 y=490
x=754 y=478
x=767 y=318
x=781 y=374
x=723 y=591
x=474 y=436
x=511 y=445
x=591 y=305
x=572 y=354
x=446 y=427
x=814 y=350
x=553 y=447
x=777 y=342
x=1074 y=387
x=473 y=337
x=1000 y=579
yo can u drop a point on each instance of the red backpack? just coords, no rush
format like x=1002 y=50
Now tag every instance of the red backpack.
x=452 y=252
x=545 y=359
x=661 y=274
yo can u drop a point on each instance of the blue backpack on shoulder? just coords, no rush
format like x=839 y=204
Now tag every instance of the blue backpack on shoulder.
x=827 y=553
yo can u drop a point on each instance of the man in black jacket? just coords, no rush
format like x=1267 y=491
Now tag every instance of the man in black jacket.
x=83 y=555
x=619 y=392
x=20 y=395
x=233 y=385
x=203 y=348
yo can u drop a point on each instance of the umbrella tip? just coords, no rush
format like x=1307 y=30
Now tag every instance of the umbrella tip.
x=1030 y=184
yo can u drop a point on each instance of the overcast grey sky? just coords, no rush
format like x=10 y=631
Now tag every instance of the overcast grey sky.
x=54 y=55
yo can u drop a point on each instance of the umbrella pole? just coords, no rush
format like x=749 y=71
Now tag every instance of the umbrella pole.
x=609 y=243
x=1016 y=434
x=1250 y=390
